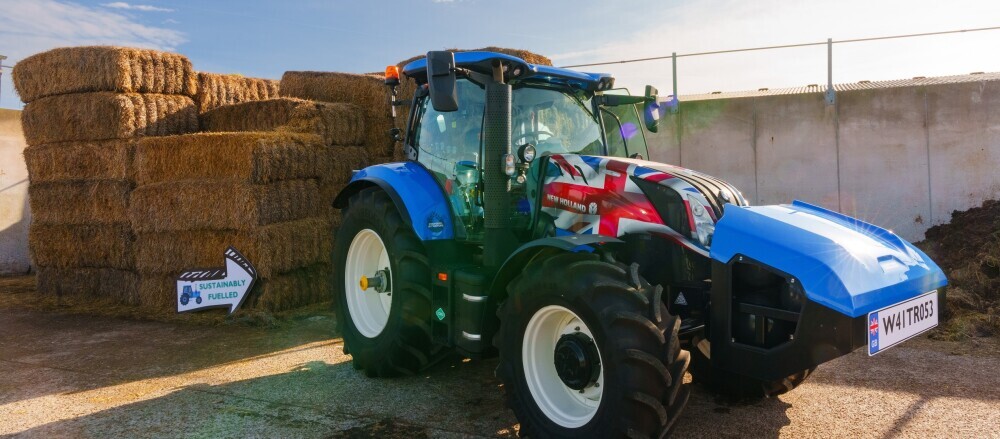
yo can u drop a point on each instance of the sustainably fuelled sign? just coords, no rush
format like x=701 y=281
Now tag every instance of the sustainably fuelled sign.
x=224 y=287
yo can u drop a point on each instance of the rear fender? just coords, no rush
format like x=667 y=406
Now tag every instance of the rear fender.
x=413 y=190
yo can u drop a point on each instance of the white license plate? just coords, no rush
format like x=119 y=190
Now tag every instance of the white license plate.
x=890 y=326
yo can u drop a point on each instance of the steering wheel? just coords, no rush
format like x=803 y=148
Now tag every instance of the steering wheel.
x=530 y=134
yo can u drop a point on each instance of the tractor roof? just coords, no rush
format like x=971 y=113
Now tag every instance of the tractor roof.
x=532 y=73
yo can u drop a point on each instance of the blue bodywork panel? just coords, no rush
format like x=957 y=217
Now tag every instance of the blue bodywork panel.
x=422 y=200
x=535 y=73
x=843 y=263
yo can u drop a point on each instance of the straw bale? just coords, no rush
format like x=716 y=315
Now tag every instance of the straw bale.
x=346 y=160
x=80 y=202
x=82 y=246
x=271 y=249
x=216 y=90
x=337 y=123
x=221 y=205
x=366 y=91
x=100 y=282
x=103 y=68
x=73 y=161
x=255 y=157
x=158 y=291
x=294 y=289
x=284 y=291
x=106 y=115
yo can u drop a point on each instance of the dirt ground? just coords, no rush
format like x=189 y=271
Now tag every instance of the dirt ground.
x=70 y=375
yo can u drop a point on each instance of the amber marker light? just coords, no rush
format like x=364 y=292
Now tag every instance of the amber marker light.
x=392 y=75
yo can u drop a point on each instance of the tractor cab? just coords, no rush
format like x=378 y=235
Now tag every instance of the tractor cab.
x=552 y=112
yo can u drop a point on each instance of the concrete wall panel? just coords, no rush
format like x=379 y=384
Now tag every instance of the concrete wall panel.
x=717 y=139
x=883 y=158
x=796 y=150
x=964 y=135
x=14 y=212
x=665 y=145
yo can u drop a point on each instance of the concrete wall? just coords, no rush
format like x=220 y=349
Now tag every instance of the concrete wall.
x=14 y=212
x=903 y=158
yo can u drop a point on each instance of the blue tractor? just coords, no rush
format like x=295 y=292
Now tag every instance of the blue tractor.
x=528 y=224
x=188 y=293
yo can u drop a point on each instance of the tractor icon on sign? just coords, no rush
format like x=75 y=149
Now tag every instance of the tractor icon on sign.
x=189 y=294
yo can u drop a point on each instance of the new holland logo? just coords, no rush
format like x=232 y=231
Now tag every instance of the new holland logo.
x=592 y=208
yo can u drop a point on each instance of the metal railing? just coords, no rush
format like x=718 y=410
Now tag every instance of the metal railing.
x=830 y=92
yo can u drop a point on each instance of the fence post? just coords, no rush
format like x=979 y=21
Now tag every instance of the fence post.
x=673 y=60
x=831 y=95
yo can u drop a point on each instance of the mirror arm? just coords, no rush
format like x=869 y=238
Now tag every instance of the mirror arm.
x=619 y=121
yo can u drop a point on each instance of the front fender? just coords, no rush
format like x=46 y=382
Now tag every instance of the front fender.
x=415 y=193
x=843 y=263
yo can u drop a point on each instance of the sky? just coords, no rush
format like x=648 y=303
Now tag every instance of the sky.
x=266 y=38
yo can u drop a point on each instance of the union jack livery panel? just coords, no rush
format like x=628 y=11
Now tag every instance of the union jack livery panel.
x=602 y=195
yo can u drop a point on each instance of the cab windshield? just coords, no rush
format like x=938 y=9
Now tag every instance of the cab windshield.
x=555 y=122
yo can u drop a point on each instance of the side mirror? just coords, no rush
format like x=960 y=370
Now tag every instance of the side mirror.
x=651 y=114
x=442 y=81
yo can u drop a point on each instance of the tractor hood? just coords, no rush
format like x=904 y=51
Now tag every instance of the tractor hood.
x=842 y=263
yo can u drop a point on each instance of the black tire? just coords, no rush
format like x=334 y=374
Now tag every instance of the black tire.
x=643 y=364
x=734 y=385
x=197 y=300
x=405 y=345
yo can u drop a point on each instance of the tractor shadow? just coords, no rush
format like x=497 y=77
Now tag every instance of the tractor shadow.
x=314 y=399
x=44 y=354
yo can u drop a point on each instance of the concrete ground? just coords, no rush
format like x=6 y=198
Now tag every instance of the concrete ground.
x=80 y=376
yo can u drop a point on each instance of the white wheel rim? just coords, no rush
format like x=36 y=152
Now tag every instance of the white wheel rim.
x=567 y=407
x=369 y=309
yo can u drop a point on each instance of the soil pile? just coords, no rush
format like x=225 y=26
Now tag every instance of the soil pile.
x=968 y=250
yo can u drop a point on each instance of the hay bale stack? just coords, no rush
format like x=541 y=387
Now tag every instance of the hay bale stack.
x=216 y=90
x=337 y=123
x=368 y=92
x=102 y=68
x=259 y=192
x=106 y=115
x=86 y=108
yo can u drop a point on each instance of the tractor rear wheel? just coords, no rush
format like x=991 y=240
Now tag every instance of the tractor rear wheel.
x=734 y=385
x=588 y=349
x=381 y=288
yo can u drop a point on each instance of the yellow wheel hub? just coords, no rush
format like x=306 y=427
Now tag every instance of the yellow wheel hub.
x=364 y=282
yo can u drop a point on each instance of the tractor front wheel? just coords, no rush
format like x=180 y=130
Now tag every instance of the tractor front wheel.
x=588 y=349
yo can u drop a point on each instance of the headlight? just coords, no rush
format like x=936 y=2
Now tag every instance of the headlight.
x=704 y=227
x=526 y=153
